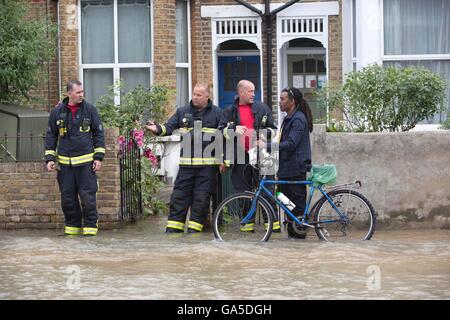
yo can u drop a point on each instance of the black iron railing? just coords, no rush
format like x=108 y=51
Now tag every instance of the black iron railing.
x=130 y=180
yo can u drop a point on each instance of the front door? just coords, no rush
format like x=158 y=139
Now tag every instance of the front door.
x=232 y=69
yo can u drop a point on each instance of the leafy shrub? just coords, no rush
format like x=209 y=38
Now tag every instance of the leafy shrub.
x=25 y=45
x=377 y=99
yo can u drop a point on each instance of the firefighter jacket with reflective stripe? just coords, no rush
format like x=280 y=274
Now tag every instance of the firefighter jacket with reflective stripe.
x=74 y=142
x=198 y=129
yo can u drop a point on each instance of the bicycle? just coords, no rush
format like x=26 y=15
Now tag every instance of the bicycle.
x=340 y=214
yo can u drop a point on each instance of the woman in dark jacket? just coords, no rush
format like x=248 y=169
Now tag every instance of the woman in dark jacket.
x=294 y=151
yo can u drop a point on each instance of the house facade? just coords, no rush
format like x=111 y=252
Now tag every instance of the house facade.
x=218 y=42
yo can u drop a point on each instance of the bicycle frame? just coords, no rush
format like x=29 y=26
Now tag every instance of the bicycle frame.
x=306 y=213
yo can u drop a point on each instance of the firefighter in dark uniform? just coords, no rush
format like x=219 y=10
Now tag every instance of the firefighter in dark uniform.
x=242 y=119
x=197 y=175
x=75 y=140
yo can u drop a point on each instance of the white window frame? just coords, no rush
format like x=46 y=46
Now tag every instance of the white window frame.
x=405 y=57
x=408 y=57
x=186 y=65
x=116 y=66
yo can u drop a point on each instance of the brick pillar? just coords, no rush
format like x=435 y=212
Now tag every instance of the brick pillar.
x=68 y=15
x=108 y=197
x=335 y=54
x=164 y=52
x=201 y=43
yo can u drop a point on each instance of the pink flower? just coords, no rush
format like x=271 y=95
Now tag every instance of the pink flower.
x=122 y=143
x=130 y=144
x=121 y=140
x=150 y=156
x=138 y=136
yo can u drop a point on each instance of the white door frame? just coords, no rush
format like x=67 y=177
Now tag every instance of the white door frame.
x=304 y=20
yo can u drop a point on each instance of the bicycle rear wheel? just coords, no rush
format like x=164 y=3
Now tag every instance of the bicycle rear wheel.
x=357 y=224
x=228 y=219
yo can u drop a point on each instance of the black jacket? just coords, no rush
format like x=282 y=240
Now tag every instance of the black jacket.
x=294 y=146
x=207 y=122
x=76 y=142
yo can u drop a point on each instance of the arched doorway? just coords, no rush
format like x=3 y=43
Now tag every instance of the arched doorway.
x=237 y=60
x=305 y=67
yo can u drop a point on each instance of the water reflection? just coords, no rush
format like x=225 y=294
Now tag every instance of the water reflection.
x=140 y=262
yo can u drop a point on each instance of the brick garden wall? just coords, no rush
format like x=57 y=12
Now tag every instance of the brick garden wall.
x=30 y=197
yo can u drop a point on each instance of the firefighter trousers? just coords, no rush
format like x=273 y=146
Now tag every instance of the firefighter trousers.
x=78 y=186
x=193 y=188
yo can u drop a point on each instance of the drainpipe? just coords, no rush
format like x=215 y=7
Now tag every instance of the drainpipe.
x=284 y=6
x=250 y=7
x=59 y=48
x=49 y=59
x=269 y=35
x=269 y=18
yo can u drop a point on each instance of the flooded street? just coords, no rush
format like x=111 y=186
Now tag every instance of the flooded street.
x=140 y=262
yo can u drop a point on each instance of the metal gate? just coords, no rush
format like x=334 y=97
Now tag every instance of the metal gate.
x=130 y=180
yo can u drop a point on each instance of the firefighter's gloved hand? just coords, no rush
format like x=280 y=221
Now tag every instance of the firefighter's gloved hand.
x=262 y=138
x=151 y=126
x=241 y=130
x=51 y=166
x=261 y=144
x=222 y=168
x=96 y=165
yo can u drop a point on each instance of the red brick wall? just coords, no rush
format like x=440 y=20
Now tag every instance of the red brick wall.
x=68 y=16
x=164 y=42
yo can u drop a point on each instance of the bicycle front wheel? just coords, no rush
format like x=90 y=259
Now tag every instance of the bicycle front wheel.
x=232 y=220
x=356 y=221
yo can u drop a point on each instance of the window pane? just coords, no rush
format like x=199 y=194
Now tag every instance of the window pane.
x=438 y=66
x=134 y=31
x=134 y=77
x=96 y=82
x=182 y=32
x=416 y=26
x=182 y=87
x=310 y=66
x=297 y=67
x=321 y=68
x=97 y=31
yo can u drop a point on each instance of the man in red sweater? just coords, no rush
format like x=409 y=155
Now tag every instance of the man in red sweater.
x=245 y=116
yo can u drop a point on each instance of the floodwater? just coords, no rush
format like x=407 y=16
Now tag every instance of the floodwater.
x=141 y=262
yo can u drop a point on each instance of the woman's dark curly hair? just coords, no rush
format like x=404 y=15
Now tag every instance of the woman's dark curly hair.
x=300 y=104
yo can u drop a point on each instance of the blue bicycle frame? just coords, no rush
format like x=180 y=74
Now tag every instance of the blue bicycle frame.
x=306 y=213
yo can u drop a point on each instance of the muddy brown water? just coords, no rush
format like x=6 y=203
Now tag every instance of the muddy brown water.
x=141 y=262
